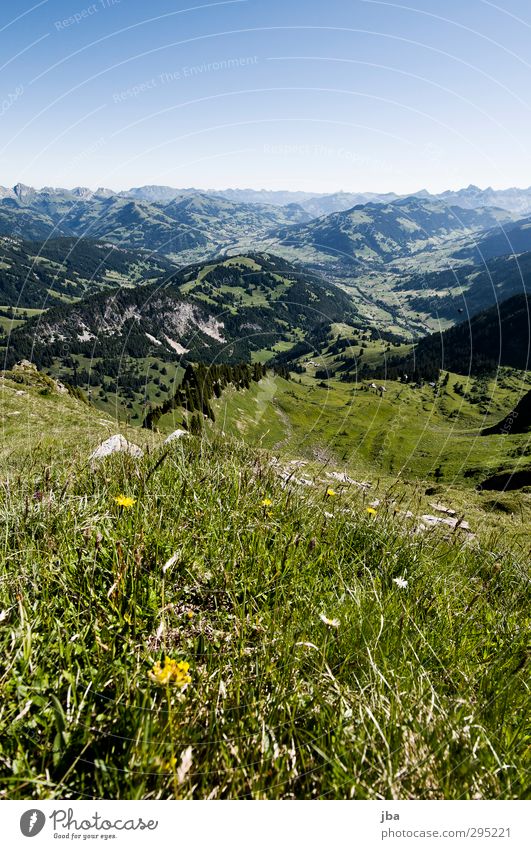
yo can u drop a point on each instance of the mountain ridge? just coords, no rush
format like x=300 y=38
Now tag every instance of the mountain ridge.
x=220 y=310
x=514 y=199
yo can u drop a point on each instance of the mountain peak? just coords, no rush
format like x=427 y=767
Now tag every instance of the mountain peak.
x=23 y=191
x=82 y=192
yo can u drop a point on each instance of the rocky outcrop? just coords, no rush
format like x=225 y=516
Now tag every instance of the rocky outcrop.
x=176 y=434
x=116 y=444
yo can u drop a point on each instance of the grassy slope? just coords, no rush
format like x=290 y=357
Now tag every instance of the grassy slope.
x=419 y=692
x=408 y=431
x=40 y=426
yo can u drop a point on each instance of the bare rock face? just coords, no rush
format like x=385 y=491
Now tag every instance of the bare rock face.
x=177 y=434
x=116 y=444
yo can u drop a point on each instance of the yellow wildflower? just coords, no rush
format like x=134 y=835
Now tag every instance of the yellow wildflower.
x=190 y=614
x=125 y=501
x=371 y=511
x=171 y=672
x=331 y=492
x=266 y=502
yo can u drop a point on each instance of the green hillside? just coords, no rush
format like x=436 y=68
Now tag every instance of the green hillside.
x=379 y=233
x=39 y=275
x=499 y=336
x=512 y=238
x=189 y=227
x=517 y=420
x=468 y=289
x=231 y=633
x=230 y=310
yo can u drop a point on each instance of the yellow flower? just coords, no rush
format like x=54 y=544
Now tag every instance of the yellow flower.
x=190 y=614
x=266 y=502
x=331 y=492
x=371 y=511
x=125 y=500
x=171 y=672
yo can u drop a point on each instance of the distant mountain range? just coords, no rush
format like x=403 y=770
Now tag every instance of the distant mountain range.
x=375 y=233
x=418 y=258
x=188 y=227
x=514 y=200
x=199 y=226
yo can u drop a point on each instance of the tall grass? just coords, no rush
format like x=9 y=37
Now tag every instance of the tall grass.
x=411 y=692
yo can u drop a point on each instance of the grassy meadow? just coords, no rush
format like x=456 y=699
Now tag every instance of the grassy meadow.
x=335 y=650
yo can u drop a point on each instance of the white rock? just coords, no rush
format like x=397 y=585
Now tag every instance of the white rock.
x=116 y=444
x=344 y=478
x=442 y=509
x=340 y=476
x=177 y=434
x=438 y=520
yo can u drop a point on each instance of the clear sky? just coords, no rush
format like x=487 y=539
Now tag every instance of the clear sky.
x=319 y=95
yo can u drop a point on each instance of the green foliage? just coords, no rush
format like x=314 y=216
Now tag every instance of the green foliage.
x=119 y=335
x=378 y=233
x=190 y=227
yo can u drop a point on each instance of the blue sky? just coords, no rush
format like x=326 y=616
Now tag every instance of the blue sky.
x=319 y=95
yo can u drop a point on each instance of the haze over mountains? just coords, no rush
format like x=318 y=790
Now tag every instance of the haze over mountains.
x=514 y=200
x=192 y=226
x=116 y=294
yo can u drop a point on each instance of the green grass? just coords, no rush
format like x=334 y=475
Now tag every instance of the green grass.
x=37 y=424
x=9 y=324
x=418 y=693
x=407 y=432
